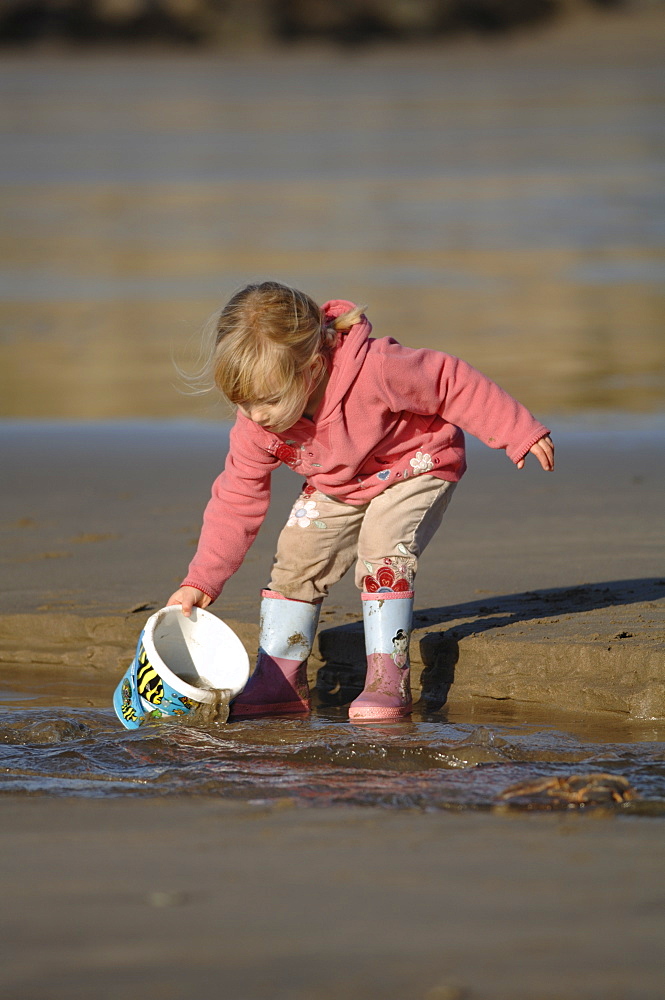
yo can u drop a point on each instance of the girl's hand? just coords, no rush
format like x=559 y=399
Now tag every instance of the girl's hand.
x=189 y=597
x=544 y=452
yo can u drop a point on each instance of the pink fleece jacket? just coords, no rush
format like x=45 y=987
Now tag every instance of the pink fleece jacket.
x=389 y=412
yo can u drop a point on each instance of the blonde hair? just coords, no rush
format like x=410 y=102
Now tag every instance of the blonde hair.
x=271 y=343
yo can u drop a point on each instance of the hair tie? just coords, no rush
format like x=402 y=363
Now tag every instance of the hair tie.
x=329 y=334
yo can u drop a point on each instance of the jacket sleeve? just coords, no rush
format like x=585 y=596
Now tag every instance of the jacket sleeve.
x=429 y=382
x=234 y=514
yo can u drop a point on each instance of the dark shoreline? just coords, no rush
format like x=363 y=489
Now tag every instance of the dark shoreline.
x=200 y=24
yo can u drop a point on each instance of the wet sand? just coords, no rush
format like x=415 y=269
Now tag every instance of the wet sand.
x=205 y=898
x=211 y=897
x=500 y=202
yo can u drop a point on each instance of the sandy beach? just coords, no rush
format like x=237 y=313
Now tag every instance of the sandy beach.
x=498 y=200
x=203 y=898
x=259 y=898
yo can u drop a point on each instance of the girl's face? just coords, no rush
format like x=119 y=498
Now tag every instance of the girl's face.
x=277 y=413
x=267 y=413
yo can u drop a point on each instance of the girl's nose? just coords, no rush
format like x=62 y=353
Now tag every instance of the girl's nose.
x=259 y=414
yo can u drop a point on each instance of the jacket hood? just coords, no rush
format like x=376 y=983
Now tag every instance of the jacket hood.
x=348 y=355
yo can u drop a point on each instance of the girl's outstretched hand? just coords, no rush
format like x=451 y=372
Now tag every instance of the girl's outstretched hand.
x=544 y=452
x=189 y=597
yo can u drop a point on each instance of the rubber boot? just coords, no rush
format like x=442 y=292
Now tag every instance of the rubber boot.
x=278 y=685
x=387 y=692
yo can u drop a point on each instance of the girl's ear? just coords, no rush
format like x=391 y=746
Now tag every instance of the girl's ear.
x=318 y=364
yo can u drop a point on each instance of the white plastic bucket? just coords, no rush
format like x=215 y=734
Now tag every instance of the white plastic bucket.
x=180 y=661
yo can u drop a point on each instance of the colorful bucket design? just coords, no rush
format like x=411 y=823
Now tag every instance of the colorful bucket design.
x=142 y=694
x=179 y=662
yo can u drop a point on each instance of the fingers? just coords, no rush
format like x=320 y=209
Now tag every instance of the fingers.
x=188 y=597
x=546 y=453
x=543 y=450
x=542 y=457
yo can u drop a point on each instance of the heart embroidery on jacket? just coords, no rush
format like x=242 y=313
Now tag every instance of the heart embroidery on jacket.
x=384 y=474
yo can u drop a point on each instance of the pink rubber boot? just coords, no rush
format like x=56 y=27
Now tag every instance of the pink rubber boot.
x=387 y=693
x=278 y=685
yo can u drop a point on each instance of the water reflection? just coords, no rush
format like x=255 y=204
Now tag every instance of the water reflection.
x=499 y=203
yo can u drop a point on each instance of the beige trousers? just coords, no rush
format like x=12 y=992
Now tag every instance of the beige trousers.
x=386 y=536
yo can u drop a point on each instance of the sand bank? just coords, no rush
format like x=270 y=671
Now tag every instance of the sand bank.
x=540 y=589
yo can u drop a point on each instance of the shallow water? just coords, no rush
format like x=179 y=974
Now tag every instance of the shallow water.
x=430 y=762
x=499 y=202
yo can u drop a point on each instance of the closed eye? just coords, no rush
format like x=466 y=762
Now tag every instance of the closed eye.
x=249 y=403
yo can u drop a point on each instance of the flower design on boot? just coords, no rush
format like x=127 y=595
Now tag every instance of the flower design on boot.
x=303 y=513
x=421 y=463
x=385 y=580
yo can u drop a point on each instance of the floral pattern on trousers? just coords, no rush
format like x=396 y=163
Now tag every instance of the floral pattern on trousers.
x=388 y=578
x=384 y=537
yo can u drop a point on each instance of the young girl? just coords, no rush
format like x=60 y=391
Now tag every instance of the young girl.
x=375 y=429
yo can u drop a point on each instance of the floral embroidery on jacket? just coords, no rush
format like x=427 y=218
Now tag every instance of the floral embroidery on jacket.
x=421 y=463
x=288 y=454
